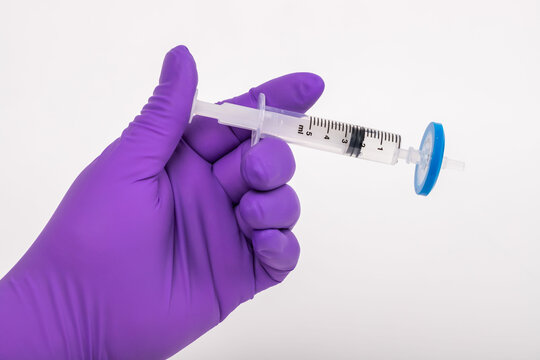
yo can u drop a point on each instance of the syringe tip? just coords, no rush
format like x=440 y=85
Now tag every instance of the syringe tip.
x=453 y=164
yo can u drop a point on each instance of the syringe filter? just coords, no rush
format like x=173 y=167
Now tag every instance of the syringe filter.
x=432 y=154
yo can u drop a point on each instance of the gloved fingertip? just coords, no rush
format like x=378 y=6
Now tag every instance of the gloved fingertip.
x=179 y=63
x=179 y=49
x=311 y=86
x=306 y=89
x=254 y=171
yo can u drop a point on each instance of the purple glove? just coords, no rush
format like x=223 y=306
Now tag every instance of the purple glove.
x=163 y=235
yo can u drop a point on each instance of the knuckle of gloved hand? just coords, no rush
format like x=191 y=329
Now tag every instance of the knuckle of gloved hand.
x=278 y=249
x=251 y=209
x=269 y=242
x=254 y=170
x=269 y=164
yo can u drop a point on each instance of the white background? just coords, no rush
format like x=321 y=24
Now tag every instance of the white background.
x=384 y=274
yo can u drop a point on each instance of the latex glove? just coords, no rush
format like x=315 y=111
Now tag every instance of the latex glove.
x=163 y=235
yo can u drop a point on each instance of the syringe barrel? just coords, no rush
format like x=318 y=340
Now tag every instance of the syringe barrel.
x=338 y=137
x=311 y=131
x=329 y=135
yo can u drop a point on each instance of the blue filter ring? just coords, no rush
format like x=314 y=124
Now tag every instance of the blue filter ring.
x=432 y=152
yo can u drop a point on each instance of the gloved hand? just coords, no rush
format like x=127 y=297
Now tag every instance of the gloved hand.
x=163 y=235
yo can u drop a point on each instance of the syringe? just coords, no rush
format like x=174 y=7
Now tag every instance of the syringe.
x=338 y=137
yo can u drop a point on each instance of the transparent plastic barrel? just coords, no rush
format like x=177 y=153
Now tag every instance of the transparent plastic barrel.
x=332 y=136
